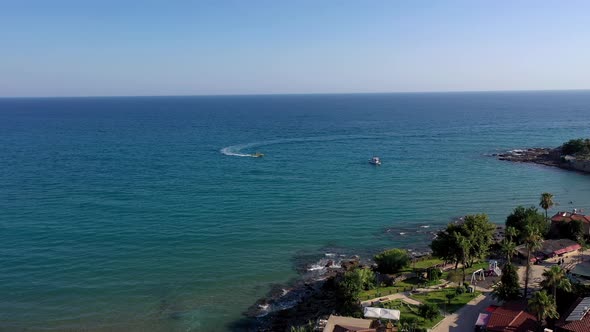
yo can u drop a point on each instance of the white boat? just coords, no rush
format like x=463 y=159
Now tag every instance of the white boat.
x=375 y=161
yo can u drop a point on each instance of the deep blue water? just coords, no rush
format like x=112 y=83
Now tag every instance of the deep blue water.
x=124 y=214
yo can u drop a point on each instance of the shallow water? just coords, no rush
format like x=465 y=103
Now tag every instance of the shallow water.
x=125 y=213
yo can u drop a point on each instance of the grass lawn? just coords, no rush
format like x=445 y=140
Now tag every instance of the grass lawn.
x=438 y=298
x=424 y=264
x=468 y=271
x=408 y=311
x=398 y=287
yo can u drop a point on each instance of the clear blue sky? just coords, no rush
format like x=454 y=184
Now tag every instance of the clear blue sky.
x=141 y=47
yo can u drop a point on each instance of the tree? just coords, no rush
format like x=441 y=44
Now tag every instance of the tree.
x=479 y=232
x=444 y=246
x=464 y=249
x=428 y=311
x=556 y=278
x=508 y=249
x=546 y=203
x=349 y=289
x=450 y=296
x=392 y=260
x=367 y=278
x=511 y=233
x=521 y=217
x=543 y=307
x=574 y=230
x=576 y=146
x=532 y=240
x=509 y=288
x=464 y=242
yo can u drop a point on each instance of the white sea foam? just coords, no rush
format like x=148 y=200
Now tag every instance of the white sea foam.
x=236 y=150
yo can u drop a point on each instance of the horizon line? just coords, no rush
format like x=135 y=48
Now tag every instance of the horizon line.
x=296 y=93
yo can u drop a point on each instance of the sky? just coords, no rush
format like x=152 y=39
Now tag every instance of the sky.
x=143 y=47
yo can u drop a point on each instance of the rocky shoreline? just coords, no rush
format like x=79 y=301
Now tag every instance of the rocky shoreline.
x=305 y=299
x=545 y=156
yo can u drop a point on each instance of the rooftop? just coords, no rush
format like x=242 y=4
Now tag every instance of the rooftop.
x=511 y=317
x=569 y=216
x=578 y=319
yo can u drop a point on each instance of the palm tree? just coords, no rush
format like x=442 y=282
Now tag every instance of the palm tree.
x=511 y=233
x=464 y=247
x=509 y=249
x=546 y=202
x=555 y=278
x=532 y=241
x=543 y=307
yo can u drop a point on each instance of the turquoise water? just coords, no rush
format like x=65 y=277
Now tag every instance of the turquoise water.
x=124 y=214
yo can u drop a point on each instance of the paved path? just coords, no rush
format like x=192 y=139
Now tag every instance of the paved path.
x=398 y=296
x=464 y=319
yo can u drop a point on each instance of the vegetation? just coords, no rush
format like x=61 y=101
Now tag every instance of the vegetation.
x=578 y=146
x=543 y=307
x=426 y=263
x=546 y=202
x=428 y=311
x=410 y=317
x=555 y=278
x=573 y=230
x=508 y=249
x=349 y=290
x=508 y=289
x=522 y=217
x=309 y=327
x=464 y=243
x=439 y=298
x=392 y=260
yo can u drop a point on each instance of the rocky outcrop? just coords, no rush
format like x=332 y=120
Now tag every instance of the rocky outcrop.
x=546 y=156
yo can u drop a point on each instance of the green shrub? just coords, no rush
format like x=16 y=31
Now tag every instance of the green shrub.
x=428 y=310
x=392 y=261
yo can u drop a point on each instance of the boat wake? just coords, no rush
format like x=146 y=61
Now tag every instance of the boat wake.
x=238 y=150
x=235 y=151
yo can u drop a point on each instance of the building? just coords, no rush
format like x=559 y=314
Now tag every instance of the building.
x=348 y=324
x=550 y=249
x=511 y=317
x=565 y=217
x=577 y=318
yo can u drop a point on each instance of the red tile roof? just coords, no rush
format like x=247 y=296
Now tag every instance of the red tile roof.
x=582 y=325
x=568 y=216
x=511 y=317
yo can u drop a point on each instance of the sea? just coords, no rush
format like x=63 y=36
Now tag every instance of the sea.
x=150 y=213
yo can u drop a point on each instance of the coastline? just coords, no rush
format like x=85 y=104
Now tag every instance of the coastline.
x=545 y=156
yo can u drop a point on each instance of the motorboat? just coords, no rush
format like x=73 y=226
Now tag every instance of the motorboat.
x=257 y=155
x=375 y=161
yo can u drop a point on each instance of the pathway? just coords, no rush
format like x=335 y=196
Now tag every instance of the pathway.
x=397 y=296
x=464 y=319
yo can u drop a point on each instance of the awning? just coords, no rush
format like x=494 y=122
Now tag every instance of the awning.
x=482 y=320
x=381 y=313
x=567 y=249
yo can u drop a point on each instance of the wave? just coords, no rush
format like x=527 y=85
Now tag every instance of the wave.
x=236 y=150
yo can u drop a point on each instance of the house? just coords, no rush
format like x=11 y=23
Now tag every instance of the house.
x=577 y=318
x=565 y=217
x=350 y=324
x=511 y=317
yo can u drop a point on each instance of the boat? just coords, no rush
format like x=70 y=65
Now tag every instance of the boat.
x=257 y=155
x=375 y=161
